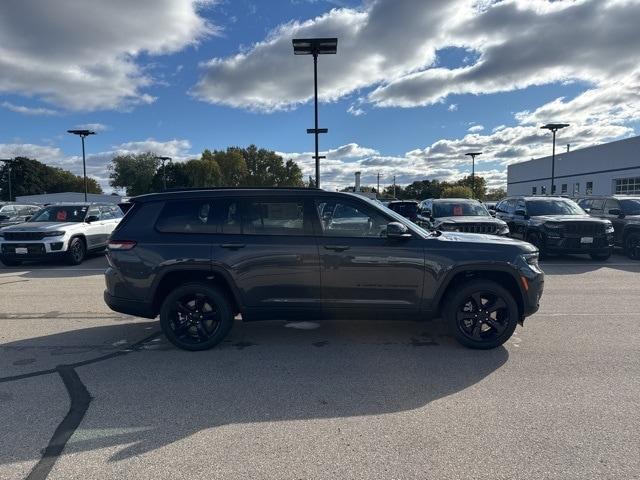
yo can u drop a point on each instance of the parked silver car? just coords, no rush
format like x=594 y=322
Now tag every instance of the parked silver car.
x=69 y=231
x=11 y=214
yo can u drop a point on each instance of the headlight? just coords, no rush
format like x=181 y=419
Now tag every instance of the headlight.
x=530 y=260
x=57 y=233
x=608 y=228
x=503 y=230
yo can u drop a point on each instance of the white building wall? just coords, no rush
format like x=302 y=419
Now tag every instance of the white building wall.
x=68 y=197
x=602 y=165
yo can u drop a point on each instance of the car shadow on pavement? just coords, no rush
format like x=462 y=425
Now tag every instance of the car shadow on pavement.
x=267 y=372
x=577 y=264
x=93 y=265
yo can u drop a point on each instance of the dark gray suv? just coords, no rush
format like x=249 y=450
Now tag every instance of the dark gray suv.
x=199 y=258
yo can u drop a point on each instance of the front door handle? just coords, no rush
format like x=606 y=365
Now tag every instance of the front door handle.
x=233 y=246
x=337 y=248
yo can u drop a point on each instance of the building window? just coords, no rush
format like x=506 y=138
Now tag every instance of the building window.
x=534 y=190
x=543 y=190
x=563 y=189
x=576 y=188
x=589 y=188
x=624 y=186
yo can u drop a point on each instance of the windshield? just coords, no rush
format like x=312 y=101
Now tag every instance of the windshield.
x=537 y=208
x=70 y=213
x=630 y=206
x=459 y=209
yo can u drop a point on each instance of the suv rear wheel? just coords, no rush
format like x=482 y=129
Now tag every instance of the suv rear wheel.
x=632 y=246
x=481 y=314
x=196 y=316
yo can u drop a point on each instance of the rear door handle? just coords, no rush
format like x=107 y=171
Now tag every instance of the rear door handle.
x=337 y=248
x=233 y=246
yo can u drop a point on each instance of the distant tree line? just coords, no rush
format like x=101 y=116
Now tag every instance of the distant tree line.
x=31 y=177
x=234 y=167
x=463 y=188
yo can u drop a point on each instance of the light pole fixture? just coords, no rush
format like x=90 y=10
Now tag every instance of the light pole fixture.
x=82 y=134
x=9 y=161
x=473 y=156
x=164 y=176
x=315 y=47
x=554 y=127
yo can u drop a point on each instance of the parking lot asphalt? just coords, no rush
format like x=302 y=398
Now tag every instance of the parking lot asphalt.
x=330 y=400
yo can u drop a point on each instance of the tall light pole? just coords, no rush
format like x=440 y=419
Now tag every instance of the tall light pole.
x=82 y=134
x=554 y=127
x=8 y=161
x=473 y=156
x=315 y=47
x=164 y=176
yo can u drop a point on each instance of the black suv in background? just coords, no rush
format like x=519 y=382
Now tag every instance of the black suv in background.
x=624 y=213
x=459 y=215
x=198 y=258
x=556 y=225
x=406 y=208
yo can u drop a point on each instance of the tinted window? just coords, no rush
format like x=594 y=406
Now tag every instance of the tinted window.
x=405 y=209
x=278 y=217
x=521 y=205
x=596 y=205
x=200 y=216
x=630 y=206
x=343 y=218
x=553 y=207
x=610 y=204
x=94 y=212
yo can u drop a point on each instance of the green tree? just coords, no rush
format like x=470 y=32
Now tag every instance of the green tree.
x=233 y=167
x=480 y=185
x=134 y=173
x=204 y=172
x=31 y=177
x=265 y=168
x=422 y=189
x=457 y=191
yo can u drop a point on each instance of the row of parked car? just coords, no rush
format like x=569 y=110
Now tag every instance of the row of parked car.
x=67 y=231
x=555 y=225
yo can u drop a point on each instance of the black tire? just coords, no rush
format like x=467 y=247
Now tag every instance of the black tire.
x=196 y=316
x=600 y=256
x=76 y=252
x=9 y=262
x=632 y=245
x=536 y=240
x=481 y=314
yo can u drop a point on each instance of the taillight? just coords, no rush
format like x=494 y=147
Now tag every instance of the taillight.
x=121 y=244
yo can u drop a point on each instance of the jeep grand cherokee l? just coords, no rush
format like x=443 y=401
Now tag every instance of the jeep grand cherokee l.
x=198 y=258
x=556 y=225
x=459 y=215
x=67 y=230
x=624 y=213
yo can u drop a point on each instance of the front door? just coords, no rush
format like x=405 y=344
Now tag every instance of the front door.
x=363 y=273
x=618 y=223
x=94 y=231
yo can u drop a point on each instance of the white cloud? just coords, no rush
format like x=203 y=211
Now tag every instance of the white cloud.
x=476 y=128
x=86 y=56
x=452 y=107
x=355 y=111
x=29 y=110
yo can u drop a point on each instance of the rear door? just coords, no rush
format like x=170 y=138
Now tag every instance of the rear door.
x=268 y=246
x=363 y=273
x=519 y=221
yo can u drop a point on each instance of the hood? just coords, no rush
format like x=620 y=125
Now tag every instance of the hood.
x=482 y=239
x=40 y=226
x=569 y=218
x=469 y=219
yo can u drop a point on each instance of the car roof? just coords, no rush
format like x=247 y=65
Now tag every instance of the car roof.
x=538 y=197
x=240 y=192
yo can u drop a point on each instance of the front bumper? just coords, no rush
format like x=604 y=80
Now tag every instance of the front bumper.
x=39 y=250
x=573 y=244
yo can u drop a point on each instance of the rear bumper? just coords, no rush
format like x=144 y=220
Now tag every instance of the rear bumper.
x=128 y=307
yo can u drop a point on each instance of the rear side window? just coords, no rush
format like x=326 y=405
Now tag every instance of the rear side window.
x=200 y=216
x=278 y=217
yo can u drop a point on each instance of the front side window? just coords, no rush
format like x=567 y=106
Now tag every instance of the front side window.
x=630 y=206
x=61 y=214
x=278 y=217
x=344 y=218
x=536 y=208
x=459 y=208
x=610 y=204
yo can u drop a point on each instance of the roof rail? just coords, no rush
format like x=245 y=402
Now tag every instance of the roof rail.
x=188 y=189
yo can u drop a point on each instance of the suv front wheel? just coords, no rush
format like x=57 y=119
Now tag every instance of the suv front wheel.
x=481 y=314
x=196 y=316
x=76 y=252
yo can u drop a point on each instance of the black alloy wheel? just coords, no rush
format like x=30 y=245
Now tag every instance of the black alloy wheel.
x=632 y=246
x=76 y=251
x=196 y=316
x=482 y=314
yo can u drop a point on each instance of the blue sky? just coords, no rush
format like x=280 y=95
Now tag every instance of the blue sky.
x=414 y=86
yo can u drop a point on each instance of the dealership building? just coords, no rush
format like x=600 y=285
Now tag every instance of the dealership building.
x=610 y=168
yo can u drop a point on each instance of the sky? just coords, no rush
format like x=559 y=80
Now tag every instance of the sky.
x=414 y=86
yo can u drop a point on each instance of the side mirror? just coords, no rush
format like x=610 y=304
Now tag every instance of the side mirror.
x=397 y=230
x=588 y=210
x=617 y=212
x=92 y=218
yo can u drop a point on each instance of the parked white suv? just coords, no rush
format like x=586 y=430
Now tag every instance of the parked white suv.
x=69 y=230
